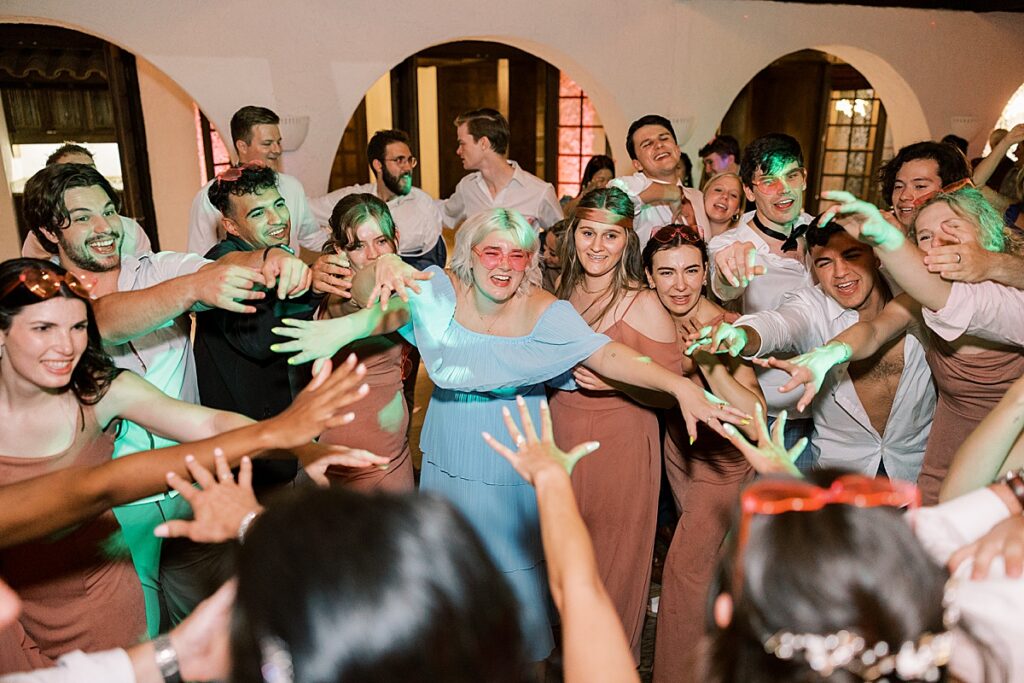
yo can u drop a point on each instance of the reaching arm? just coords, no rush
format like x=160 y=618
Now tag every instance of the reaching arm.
x=989 y=164
x=993 y=448
x=319 y=339
x=732 y=381
x=35 y=507
x=594 y=644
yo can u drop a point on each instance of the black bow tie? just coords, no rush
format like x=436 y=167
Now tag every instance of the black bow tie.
x=789 y=242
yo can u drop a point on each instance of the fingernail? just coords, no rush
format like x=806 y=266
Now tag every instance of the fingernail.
x=505 y=411
x=729 y=429
x=519 y=400
x=348 y=417
x=593 y=446
x=485 y=435
x=160 y=531
x=744 y=422
x=190 y=458
x=692 y=439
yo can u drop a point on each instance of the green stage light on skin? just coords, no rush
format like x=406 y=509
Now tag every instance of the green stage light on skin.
x=391 y=416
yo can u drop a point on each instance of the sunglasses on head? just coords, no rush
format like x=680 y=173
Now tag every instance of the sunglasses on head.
x=952 y=187
x=234 y=173
x=45 y=283
x=776 y=496
x=676 y=230
x=491 y=257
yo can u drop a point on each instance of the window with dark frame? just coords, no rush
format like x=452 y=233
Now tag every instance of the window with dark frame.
x=580 y=135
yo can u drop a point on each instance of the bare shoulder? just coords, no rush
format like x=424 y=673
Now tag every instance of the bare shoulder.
x=648 y=316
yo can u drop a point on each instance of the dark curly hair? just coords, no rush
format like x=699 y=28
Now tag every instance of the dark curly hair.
x=95 y=370
x=251 y=179
x=769 y=153
x=952 y=163
x=44 y=206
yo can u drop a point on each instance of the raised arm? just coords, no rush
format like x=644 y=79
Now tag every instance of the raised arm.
x=594 y=644
x=988 y=165
x=35 y=507
x=993 y=448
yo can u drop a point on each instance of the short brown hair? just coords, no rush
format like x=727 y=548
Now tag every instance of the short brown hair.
x=486 y=123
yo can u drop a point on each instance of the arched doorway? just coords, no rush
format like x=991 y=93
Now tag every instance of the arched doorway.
x=830 y=108
x=555 y=127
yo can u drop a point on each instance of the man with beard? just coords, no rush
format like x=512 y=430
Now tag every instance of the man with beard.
x=257 y=139
x=761 y=259
x=141 y=308
x=416 y=215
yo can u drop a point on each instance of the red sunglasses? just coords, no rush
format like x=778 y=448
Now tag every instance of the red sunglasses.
x=775 y=496
x=45 y=283
x=233 y=173
x=491 y=257
x=670 y=232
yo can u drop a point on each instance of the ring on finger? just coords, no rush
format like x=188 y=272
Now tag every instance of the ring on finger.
x=959 y=258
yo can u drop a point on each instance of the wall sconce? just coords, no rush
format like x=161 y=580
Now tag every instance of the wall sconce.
x=293 y=132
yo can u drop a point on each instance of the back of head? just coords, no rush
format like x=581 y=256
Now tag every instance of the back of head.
x=377 y=147
x=69 y=149
x=487 y=123
x=251 y=178
x=44 y=206
x=647 y=120
x=723 y=146
x=957 y=141
x=769 y=154
x=245 y=118
x=952 y=163
x=840 y=568
x=381 y=588
x=353 y=210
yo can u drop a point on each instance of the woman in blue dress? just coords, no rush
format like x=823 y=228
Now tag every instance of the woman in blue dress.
x=490 y=335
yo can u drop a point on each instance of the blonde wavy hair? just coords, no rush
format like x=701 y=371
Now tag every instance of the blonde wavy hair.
x=478 y=227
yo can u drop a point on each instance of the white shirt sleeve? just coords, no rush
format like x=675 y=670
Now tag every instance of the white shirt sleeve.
x=787 y=329
x=323 y=207
x=305 y=226
x=135 y=240
x=632 y=185
x=985 y=309
x=453 y=209
x=167 y=265
x=203 y=221
x=109 y=666
x=550 y=210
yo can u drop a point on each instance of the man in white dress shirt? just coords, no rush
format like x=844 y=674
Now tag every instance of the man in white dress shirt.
x=257 y=138
x=764 y=256
x=873 y=415
x=495 y=181
x=656 y=188
x=416 y=214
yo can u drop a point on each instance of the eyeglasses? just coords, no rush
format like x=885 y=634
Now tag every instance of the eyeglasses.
x=775 y=496
x=234 y=173
x=403 y=160
x=491 y=257
x=676 y=230
x=773 y=184
x=45 y=283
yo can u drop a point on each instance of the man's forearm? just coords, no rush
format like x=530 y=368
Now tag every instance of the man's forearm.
x=906 y=266
x=123 y=316
x=1007 y=269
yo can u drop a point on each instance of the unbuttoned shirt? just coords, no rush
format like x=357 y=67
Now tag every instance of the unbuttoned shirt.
x=525 y=192
x=649 y=217
x=843 y=434
x=764 y=293
x=417 y=216
x=204 y=224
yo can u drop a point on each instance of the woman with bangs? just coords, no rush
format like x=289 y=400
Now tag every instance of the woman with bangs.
x=617 y=487
x=705 y=473
x=490 y=336
x=362 y=230
x=972 y=332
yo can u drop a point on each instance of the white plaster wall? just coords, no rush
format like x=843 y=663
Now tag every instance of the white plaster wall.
x=683 y=58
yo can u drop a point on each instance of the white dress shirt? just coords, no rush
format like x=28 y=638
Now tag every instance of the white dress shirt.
x=525 y=192
x=163 y=357
x=764 y=293
x=417 y=216
x=985 y=309
x=843 y=434
x=204 y=226
x=990 y=607
x=649 y=217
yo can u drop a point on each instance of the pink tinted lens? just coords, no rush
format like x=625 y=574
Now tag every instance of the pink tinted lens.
x=518 y=260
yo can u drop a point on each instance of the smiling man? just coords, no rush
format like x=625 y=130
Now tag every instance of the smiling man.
x=237 y=371
x=872 y=415
x=657 y=189
x=256 y=135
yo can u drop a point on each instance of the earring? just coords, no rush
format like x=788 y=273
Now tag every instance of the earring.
x=735 y=217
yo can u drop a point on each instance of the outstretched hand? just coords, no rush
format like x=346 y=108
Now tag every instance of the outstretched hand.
x=319 y=406
x=393 y=275
x=867 y=224
x=535 y=453
x=312 y=339
x=720 y=338
x=698 y=405
x=770 y=455
x=218 y=507
x=317 y=457
x=1005 y=540
x=808 y=369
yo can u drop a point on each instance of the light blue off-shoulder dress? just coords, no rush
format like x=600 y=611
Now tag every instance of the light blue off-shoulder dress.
x=475 y=375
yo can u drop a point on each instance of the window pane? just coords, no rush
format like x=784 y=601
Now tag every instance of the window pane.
x=859 y=138
x=590 y=114
x=855 y=186
x=856 y=166
x=838 y=137
x=569 y=111
x=569 y=169
x=835 y=162
x=568 y=140
x=567 y=86
x=831 y=182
